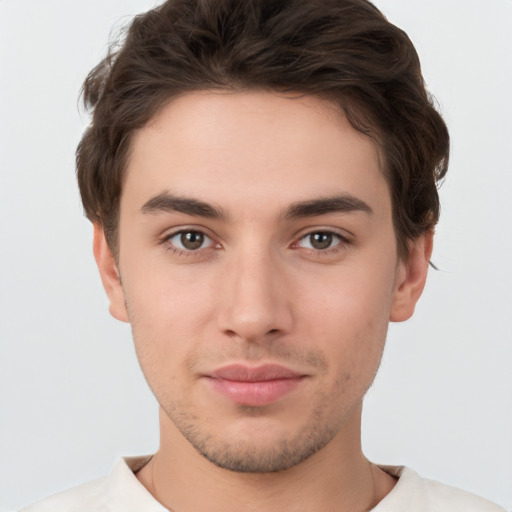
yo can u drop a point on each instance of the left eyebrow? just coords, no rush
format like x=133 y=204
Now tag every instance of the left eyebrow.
x=344 y=203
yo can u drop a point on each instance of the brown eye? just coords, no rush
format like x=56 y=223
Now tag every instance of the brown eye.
x=192 y=240
x=321 y=240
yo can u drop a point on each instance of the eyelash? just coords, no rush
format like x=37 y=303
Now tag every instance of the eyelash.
x=341 y=244
x=169 y=246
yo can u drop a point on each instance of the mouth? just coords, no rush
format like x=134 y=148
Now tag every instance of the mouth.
x=254 y=386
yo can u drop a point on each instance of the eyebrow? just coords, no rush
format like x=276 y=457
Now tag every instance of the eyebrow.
x=168 y=203
x=344 y=203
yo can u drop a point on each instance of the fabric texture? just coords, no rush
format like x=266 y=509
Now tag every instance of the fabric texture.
x=120 y=491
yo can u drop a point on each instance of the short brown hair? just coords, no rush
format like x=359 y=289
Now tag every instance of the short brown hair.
x=341 y=50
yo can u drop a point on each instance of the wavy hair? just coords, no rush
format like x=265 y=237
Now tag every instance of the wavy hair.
x=345 y=51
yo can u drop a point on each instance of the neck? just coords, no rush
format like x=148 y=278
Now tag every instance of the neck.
x=337 y=477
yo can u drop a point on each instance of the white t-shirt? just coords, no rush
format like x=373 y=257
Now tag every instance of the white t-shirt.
x=120 y=491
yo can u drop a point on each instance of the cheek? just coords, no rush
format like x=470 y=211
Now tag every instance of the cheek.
x=163 y=338
x=161 y=296
x=353 y=300
x=347 y=318
x=167 y=313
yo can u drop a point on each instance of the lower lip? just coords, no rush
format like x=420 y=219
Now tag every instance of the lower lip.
x=254 y=394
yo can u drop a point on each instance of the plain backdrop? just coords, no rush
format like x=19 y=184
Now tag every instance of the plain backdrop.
x=72 y=397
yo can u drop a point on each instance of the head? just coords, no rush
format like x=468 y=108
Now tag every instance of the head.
x=262 y=181
x=345 y=52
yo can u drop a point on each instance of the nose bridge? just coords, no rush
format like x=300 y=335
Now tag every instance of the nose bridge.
x=253 y=303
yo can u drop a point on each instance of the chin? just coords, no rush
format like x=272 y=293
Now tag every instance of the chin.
x=256 y=450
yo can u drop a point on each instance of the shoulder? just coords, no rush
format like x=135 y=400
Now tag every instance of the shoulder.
x=119 y=491
x=457 y=500
x=87 y=496
x=413 y=492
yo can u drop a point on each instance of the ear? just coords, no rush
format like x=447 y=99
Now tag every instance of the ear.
x=411 y=277
x=109 y=275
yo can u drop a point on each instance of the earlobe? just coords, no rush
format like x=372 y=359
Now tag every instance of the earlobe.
x=109 y=275
x=411 y=278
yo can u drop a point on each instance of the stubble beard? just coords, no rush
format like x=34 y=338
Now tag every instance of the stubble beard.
x=249 y=455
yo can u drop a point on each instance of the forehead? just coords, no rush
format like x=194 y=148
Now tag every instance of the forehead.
x=255 y=145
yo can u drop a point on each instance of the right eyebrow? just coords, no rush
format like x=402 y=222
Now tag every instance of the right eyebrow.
x=167 y=203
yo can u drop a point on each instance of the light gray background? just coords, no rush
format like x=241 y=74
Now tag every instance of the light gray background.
x=71 y=395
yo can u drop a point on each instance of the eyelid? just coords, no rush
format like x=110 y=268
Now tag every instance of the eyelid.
x=336 y=239
x=169 y=234
x=345 y=236
x=344 y=239
x=340 y=245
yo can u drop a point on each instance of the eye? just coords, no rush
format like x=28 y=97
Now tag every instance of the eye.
x=189 y=240
x=320 y=240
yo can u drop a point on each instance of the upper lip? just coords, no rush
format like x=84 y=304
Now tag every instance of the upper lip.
x=244 y=373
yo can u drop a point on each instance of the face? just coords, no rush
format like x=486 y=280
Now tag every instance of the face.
x=258 y=268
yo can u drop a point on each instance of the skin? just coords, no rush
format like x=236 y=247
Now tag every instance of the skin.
x=264 y=284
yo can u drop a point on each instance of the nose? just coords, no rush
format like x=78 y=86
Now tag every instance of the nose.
x=254 y=300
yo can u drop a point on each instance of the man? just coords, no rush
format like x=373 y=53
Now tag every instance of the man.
x=261 y=177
